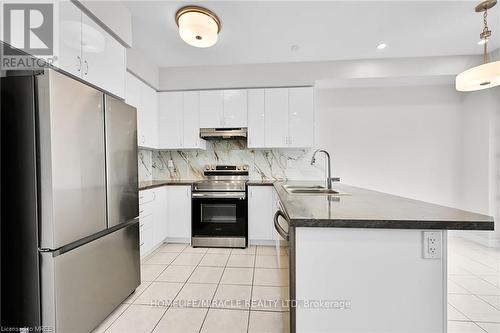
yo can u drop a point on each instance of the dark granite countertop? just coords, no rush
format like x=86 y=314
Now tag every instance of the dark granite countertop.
x=361 y=208
x=145 y=185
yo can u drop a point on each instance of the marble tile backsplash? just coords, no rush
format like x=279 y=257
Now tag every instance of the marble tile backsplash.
x=263 y=163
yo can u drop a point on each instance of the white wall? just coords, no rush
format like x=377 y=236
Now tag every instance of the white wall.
x=479 y=172
x=307 y=73
x=398 y=140
x=142 y=67
x=114 y=15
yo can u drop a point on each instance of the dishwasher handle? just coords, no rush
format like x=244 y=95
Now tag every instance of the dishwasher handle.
x=277 y=225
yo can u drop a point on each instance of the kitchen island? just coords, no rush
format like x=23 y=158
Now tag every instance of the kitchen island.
x=366 y=261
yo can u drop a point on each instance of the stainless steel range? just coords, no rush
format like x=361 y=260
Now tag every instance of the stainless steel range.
x=220 y=207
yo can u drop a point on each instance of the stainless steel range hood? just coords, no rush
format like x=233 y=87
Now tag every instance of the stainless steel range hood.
x=223 y=133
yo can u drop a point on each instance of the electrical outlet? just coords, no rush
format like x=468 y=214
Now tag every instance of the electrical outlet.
x=432 y=244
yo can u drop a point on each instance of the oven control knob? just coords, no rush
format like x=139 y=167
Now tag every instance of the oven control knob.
x=245 y=168
x=213 y=168
x=238 y=168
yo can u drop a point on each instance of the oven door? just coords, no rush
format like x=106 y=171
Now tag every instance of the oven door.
x=219 y=214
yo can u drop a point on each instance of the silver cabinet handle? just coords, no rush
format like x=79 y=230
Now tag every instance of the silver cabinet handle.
x=79 y=63
x=215 y=195
x=86 y=67
x=277 y=226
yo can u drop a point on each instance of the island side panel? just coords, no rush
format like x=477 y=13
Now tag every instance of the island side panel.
x=381 y=272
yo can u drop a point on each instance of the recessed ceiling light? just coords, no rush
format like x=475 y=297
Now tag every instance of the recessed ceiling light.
x=294 y=47
x=482 y=41
x=381 y=46
x=198 y=26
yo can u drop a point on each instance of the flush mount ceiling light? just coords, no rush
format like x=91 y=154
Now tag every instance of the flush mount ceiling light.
x=198 y=26
x=486 y=75
x=381 y=46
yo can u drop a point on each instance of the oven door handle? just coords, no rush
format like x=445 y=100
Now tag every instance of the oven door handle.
x=219 y=195
x=277 y=225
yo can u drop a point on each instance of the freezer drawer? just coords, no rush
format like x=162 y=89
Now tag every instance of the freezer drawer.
x=81 y=287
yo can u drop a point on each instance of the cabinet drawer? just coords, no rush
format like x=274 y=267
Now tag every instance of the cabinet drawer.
x=146 y=196
x=146 y=209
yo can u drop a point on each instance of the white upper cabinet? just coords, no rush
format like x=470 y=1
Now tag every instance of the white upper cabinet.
x=191 y=134
x=145 y=100
x=149 y=111
x=132 y=90
x=171 y=120
x=89 y=52
x=256 y=118
x=103 y=58
x=281 y=118
x=235 y=108
x=70 y=39
x=211 y=109
x=301 y=117
x=223 y=108
x=276 y=122
x=179 y=120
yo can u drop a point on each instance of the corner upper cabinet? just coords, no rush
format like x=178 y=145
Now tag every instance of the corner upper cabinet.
x=171 y=120
x=89 y=52
x=179 y=120
x=145 y=100
x=211 y=109
x=235 y=108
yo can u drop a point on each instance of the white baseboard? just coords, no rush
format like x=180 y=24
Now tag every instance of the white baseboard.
x=261 y=242
x=483 y=239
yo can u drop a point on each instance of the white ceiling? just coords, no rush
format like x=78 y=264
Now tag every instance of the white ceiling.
x=264 y=31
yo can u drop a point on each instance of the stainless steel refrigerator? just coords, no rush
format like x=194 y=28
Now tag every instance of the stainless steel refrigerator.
x=69 y=227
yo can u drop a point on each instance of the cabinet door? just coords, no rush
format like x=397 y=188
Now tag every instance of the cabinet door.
x=260 y=213
x=211 y=109
x=149 y=103
x=160 y=215
x=276 y=120
x=235 y=108
x=191 y=119
x=146 y=234
x=301 y=117
x=179 y=212
x=132 y=90
x=171 y=120
x=103 y=58
x=256 y=118
x=70 y=39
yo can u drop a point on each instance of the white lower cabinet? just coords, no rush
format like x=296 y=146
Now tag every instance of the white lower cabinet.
x=152 y=219
x=160 y=215
x=261 y=210
x=179 y=213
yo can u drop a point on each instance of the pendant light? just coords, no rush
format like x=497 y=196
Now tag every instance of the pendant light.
x=198 y=26
x=486 y=75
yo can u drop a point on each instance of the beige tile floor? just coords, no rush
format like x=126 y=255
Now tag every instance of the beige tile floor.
x=473 y=287
x=209 y=278
x=186 y=289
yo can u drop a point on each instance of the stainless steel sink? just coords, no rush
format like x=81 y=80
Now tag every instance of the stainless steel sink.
x=311 y=189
